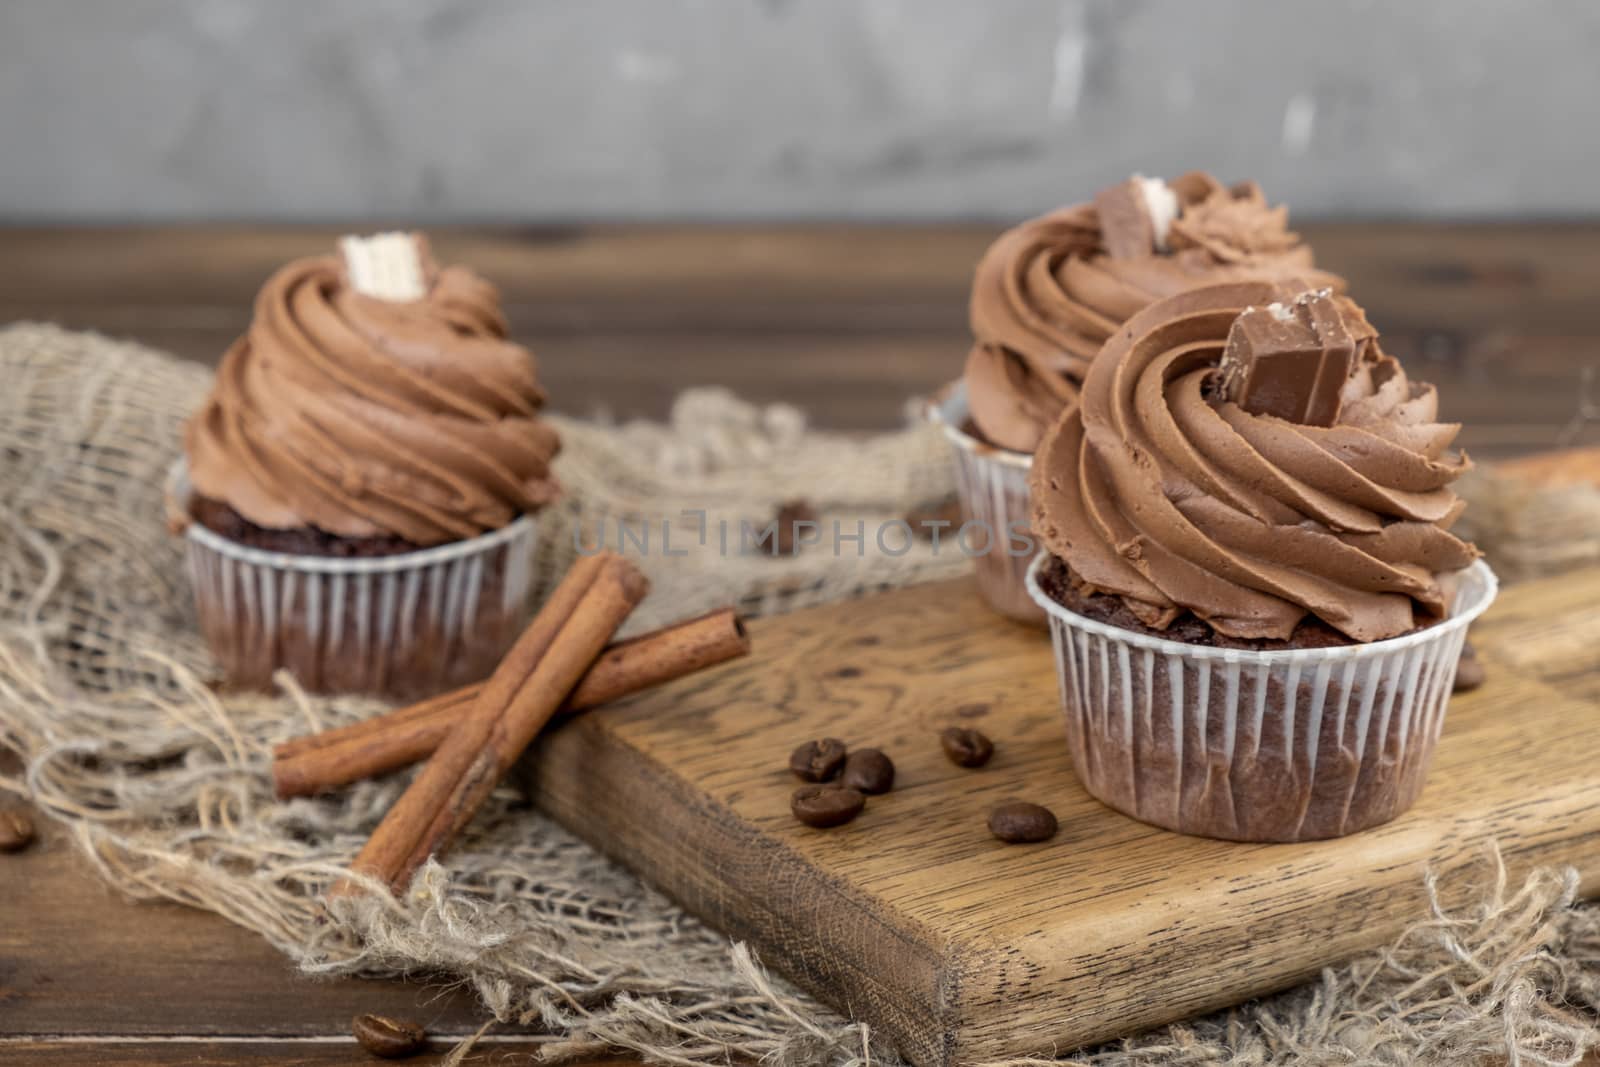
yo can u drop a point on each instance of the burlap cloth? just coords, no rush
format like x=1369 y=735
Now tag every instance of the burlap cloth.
x=162 y=782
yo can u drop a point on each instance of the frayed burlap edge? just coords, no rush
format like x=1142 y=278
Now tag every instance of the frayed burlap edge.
x=161 y=782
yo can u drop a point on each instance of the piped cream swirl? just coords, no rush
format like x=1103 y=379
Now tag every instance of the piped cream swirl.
x=1152 y=491
x=365 y=417
x=1046 y=295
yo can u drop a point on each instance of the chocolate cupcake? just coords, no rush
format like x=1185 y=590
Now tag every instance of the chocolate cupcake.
x=359 y=489
x=1046 y=296
x=1254 y=594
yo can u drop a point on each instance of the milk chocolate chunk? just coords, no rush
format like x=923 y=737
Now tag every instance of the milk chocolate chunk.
x=1290 y=360
x=1126 y=228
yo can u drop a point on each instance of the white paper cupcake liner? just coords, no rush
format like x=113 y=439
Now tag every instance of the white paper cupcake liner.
x=992 y=484
x=402 y=626
x=1288 y=745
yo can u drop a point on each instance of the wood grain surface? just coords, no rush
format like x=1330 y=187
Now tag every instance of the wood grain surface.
x=845 y=321
x=88 y=977
x=263 y=1052
x=915 y=919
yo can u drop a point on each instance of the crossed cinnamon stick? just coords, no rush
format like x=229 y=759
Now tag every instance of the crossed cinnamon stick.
x=322 y=762
x=476 y=734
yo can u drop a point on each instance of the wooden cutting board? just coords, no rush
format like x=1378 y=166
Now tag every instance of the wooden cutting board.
x=914 y=919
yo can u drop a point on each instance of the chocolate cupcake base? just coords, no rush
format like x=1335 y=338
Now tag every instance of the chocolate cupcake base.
x=1253 y=744
x=400 y=624
x=1061 y=585
x=222 y=519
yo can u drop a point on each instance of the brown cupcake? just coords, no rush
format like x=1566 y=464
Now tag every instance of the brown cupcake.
x=1048 y=293
x=1257 y=620
x=359 y=488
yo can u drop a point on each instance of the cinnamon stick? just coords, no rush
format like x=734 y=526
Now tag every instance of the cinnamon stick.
x=539 y=672
x=322 y=761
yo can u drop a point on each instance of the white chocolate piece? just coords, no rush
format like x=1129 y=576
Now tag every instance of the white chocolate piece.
x=1161 y=203
x=387 y=266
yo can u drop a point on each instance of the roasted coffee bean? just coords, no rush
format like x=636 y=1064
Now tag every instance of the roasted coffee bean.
x=935 y=518
x=388 y=1038
x=1019 y=823
x=822 y=805
x=1469 y=670
x=966 y=747
x=818 y=761
x=869 y=771
x=16 y=830
x=789 y=521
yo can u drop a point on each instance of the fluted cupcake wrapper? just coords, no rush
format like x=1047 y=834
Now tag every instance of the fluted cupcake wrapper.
x=1290 y=745
x=992 y=484
x=401 y=626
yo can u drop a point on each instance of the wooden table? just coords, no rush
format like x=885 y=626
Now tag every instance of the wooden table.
x=846 y=322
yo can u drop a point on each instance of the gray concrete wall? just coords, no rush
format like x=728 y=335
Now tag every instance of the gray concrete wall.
x=501 y=109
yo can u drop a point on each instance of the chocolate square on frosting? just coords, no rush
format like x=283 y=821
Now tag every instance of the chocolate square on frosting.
x=1126 y=228
x=1290 y=360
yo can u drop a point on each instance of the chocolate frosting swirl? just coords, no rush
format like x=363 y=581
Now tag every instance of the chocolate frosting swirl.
x=1154 y=491
x=1047 y=295
x=365 y=417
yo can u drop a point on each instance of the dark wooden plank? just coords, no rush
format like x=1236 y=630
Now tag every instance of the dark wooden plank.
x=637 y=278
x=269 y=1053
x=78 y=959
x=1468 y=280
x=844 y=321
x=1471 y=278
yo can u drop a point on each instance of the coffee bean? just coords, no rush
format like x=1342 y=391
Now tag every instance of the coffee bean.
x=822 y=805
x=934 y=518
x=1019 y=822
x=388 y=1038
x=16 y=830
x=1469 y=670
x=792 y=518
x=966 y=747
x=818 y=761
x=869 y=771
